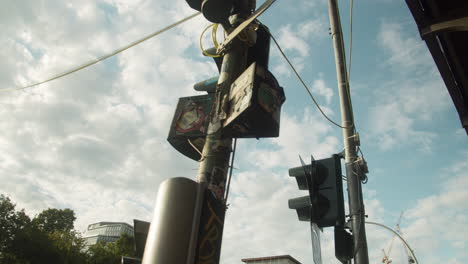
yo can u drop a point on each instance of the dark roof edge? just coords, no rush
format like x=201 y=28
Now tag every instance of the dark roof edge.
x=247 y=260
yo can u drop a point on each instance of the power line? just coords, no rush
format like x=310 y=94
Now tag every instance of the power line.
x=305 y=86
x=350 y=37
x=92 y=62
x=230 y=172
x=350 y=59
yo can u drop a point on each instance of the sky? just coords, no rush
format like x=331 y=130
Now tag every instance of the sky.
x=95 y=141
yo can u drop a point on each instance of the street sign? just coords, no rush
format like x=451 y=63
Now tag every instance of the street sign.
x=189 y=125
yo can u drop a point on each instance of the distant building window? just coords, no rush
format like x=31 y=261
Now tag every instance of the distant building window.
x=106 y=232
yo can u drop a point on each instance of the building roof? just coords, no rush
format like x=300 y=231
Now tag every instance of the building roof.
x=443 y=25
x=99 y=224
x=271 y=258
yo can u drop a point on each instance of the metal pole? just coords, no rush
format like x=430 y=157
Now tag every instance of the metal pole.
x=356 y=205
x=169 y=233
x=407 y=246
x=212 y=173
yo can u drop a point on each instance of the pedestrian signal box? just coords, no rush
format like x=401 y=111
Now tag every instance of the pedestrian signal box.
x=255 y=101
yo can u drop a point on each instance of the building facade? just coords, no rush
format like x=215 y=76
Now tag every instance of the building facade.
x=106 y=232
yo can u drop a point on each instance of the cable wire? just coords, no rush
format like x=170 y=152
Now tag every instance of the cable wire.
x=195 y=148
x=213 y=36
x=86 y=65
x=350 y=37
x=305 y=86
x=230 y=173
x=350 y=60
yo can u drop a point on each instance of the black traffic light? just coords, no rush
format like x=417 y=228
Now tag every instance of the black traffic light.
x=216 y=11
x=325 y=204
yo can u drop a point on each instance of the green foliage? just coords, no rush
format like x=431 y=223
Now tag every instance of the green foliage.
x=52 y=220
x=69 y=245
x=110 y=253
x=13 y=227
x=126 y=245
x=50 y=238
x=33 y=246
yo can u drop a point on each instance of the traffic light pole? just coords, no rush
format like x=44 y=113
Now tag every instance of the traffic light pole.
x=356 y=205
x=214 y=165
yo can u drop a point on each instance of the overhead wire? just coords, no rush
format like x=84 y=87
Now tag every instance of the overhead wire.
x=350 y=37
x=305 y=85
x=230 y=172
x=92 y=62
x=346 y=82
x=358 y=244
x=364 y=179
x=348 y=75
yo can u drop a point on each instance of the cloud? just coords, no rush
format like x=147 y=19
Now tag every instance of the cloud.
x=290 y=40
x=440 y=219
x=393 y=126
x=435 y=226
x=409 y=52
x=252 y=228
x=93 y=141
x=319 y=86
x=412 y=98
x=451 y=197
x=292 y=142
x=294 y=38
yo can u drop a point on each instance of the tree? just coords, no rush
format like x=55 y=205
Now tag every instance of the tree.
x=125 y=246
x=48 y=238
x=13 y=226
x=34 y=246
x=69 y=246
x=52 y=220
x=102 y=253
x=111 y=253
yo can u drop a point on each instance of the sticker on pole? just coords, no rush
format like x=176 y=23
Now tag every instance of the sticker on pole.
x=316 y=250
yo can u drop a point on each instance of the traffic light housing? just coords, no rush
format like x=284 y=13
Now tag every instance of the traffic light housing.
x=255 y=101
x=325 y=203
x=216 y=11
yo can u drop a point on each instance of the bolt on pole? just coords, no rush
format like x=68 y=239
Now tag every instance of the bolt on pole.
x=356 y=204
x=214 y=165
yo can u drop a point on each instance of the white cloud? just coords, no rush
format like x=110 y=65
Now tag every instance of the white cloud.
x=252 y=228
x=313 y=28
x=440 y=220
x=409 y=52
x=96 y=141
x=93 y=141
x=294 y=141
x=394 y=127
x=319 y=86
x=291 y=40
x=294 y=38
x=434 y=226
x=414 y=96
